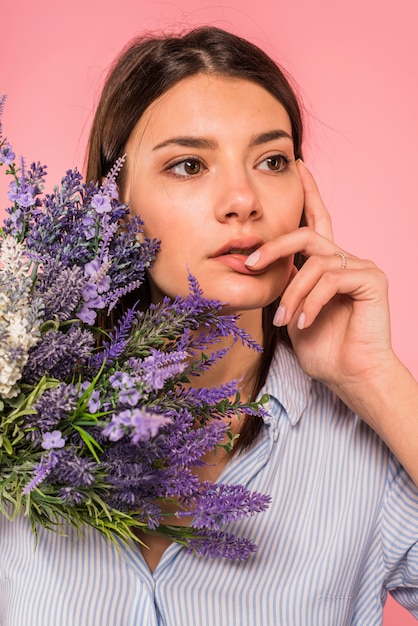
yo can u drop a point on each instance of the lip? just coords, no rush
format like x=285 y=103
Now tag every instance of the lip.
x=236 y=260
x=249 y=243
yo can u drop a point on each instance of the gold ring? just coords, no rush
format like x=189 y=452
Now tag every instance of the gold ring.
x=343 y=259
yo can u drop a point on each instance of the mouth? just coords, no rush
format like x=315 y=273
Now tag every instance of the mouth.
x=243 y=251
x=236 y=251
x=243 y=246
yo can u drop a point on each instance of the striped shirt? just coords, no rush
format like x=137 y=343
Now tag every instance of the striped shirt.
x=342 y=531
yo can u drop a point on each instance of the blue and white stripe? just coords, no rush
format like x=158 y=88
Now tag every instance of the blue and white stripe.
x=342 y=530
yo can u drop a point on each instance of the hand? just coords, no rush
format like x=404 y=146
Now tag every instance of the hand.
x=338 y=319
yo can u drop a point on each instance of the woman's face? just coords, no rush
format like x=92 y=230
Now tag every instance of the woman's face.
x=211 y=171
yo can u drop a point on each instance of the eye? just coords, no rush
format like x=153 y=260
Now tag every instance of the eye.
x=275 y=163
x=186 y=168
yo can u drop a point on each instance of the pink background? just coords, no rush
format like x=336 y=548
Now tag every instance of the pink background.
x=355 y=63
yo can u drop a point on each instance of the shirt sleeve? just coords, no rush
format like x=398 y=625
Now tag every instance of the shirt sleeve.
x=400 y=539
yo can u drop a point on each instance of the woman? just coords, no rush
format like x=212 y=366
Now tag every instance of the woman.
x=212 y=133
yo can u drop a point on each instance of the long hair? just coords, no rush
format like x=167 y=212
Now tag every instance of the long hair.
x=144 y=71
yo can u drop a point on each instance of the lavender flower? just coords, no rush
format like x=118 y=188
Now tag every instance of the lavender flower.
x=121 y=380
x=189 y=446
x=22 y=192
x=220 y=544
x=160 y=366
x=59 y=353
x=2 y=103
x=71 y=496
x=71 y=470
x=53 y=440
x=94 y=402
x=54 y=406
x=129 y=396
x=41 y=471
x=139 y=424
x=60 y=290
x=101 y=203
x=7 y=156
x=220 y=504
x=117 y=344
x=100 y=426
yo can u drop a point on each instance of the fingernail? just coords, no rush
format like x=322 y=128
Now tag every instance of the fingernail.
x=253 y=258
x=301 y=321
x=279 y=316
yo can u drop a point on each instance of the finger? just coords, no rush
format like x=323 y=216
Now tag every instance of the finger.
x=316 y=213
x=318 y=282
x=356 y=285
x=302 y=240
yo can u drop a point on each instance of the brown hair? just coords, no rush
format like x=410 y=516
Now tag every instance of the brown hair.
x=145 y=70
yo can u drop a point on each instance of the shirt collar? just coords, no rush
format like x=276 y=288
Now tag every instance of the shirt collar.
x=288 y=384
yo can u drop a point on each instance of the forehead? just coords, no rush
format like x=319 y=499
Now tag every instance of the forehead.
x=207 y=104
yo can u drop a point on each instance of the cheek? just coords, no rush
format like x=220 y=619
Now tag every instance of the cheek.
x=292 y=209
x=283 y=203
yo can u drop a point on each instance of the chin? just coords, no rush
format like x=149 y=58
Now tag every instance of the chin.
x=237 y=292
x=247 y=301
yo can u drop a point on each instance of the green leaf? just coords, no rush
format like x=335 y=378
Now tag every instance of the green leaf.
x=14 y=402
x=48 y=325
x=90 y=441
x=5 y=443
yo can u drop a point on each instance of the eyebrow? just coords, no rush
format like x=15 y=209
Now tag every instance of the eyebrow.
x=210 y=144
x=188 y=142
x=257 y=140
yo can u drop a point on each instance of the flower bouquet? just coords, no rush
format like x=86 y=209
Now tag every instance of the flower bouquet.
x=100 y=425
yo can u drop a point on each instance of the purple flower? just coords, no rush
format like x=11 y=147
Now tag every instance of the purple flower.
x=41 y=471
x=118 y=380
x=7 y=156
x=221 y=503
x=101 y=203
x=91 y=268
x=219 y=544
x=94 y=402
x=103 y=285
x=188 y=445
x=53 y=439
x=89 y=292
x=25 y=199
x=88 y=220
x=71 y=496
x=72 y=470
x=87 y=316
x=58 y=353
x=52 y=406
x=60 y=289
x=129 y=396
x=126 y=402
x=92 y=300
x=139 y=424
x=146 y=425
x=89 y=224
x=114 y=430
x=118 y=340
x=161 y=366
x=13 y=192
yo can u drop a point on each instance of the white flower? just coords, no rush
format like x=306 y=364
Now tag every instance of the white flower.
x=19 y=315
x=13 y=259
x=10 y=373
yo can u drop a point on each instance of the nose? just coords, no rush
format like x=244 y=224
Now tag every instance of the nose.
x=237 y=199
